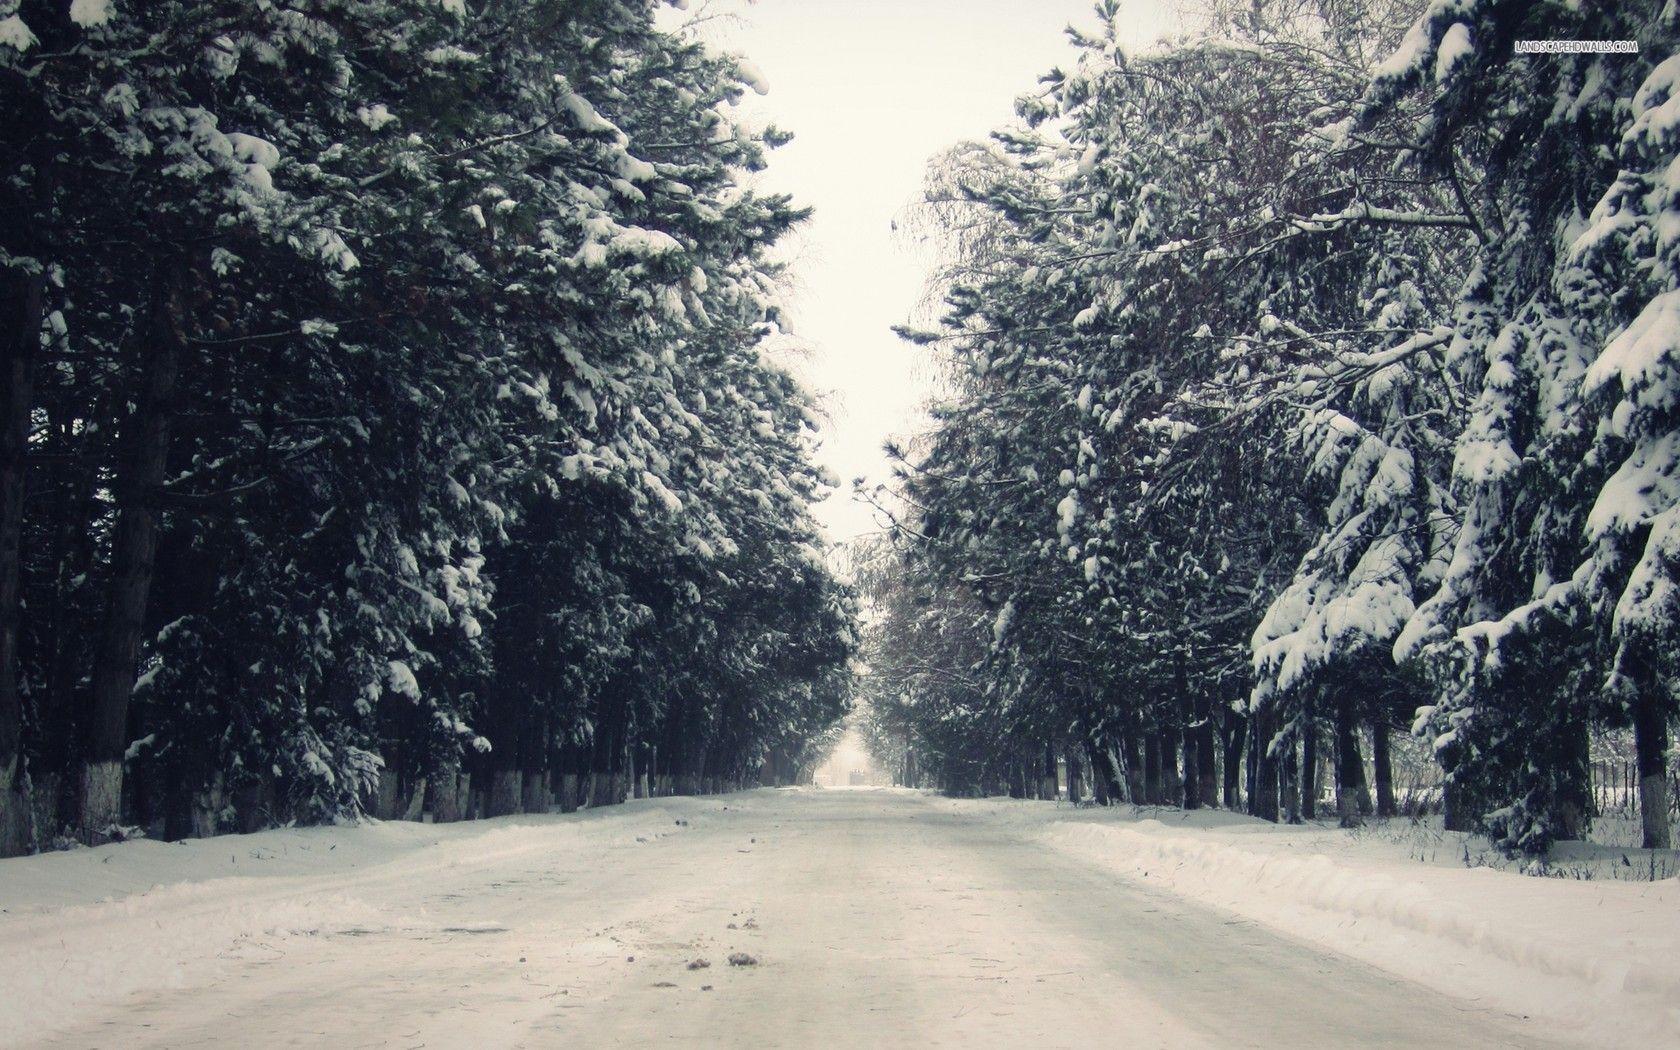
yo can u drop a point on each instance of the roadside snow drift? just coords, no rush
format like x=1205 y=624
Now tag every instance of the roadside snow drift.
x=1598 y=957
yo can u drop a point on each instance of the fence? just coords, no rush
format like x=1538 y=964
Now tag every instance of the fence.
x=1615 y=788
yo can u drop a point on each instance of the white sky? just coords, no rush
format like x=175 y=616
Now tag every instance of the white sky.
x=849 y=754
x=873 y=89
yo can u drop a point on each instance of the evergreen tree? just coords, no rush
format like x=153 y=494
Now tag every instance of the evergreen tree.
x=397 y=380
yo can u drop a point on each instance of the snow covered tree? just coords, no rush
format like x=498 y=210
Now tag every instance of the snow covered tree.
x=1626 y=264
x=1534 y=632
x=1302 y=373
x=1156 y=211
x=408 y=406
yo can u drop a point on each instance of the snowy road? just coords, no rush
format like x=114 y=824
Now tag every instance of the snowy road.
x=876 y=919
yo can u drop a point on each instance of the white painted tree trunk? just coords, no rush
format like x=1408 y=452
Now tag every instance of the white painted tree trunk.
x=446 y=798
x=1653 y=811
x=536 y=793
x=385 y=805
x=101 y=799
x=505 y=790
x=416 y=801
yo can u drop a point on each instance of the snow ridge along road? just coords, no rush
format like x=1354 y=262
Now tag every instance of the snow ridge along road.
x=770 y=919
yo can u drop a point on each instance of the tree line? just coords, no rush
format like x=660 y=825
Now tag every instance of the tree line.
x=396 y=418
x=1306 y=380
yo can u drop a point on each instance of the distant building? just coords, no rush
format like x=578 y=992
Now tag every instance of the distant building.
x=858 y=778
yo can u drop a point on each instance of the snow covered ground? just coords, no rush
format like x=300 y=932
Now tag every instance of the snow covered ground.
x=1593 y=951
x=862 y=918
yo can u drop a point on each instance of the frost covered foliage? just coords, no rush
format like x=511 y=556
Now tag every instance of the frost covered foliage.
x=1555 y=610
x=389 y=390
x=1308 y=379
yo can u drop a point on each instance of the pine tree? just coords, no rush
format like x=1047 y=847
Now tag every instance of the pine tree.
x=409 y=410
x=1520 y=647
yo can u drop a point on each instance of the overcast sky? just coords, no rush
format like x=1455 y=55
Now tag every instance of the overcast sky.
x=872 y=89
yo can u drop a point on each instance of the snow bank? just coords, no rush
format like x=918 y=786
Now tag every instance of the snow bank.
x=93 y=926
x=1601 y=959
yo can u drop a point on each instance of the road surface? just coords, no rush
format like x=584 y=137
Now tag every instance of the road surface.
x=872 y=919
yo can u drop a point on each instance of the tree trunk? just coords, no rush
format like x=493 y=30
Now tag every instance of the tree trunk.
x=1235 y=732
x=133 y=548
x=386 y=801
x=624 y=773
x=1119 y=782
x=1310 y=783
x=416 y=800
x=446 y=796
x=535 y=747
x=1650 y=753
x=1289 y=781
x=73 y=558
x=19 y=345
x=1207 y=773
x=255 y=804
x=1192 y=782
x=1263 y=802
x=1050 y=788
x=1137 y=791
x=208 y=803
x=1172 y=782
x=1350 y=769
x=1154 y=789
x=535 y=798
x=1650 y=742
x=601 y=770
x=1459 y=809
x=1382 y=758
x=1100 y=791
x=1075 y=782
x=1251 y=762
x=506 y=789
x=1106 y=773
x=1319 y=771
x=646 y=761
x=569 y=760
x=1573 y=806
